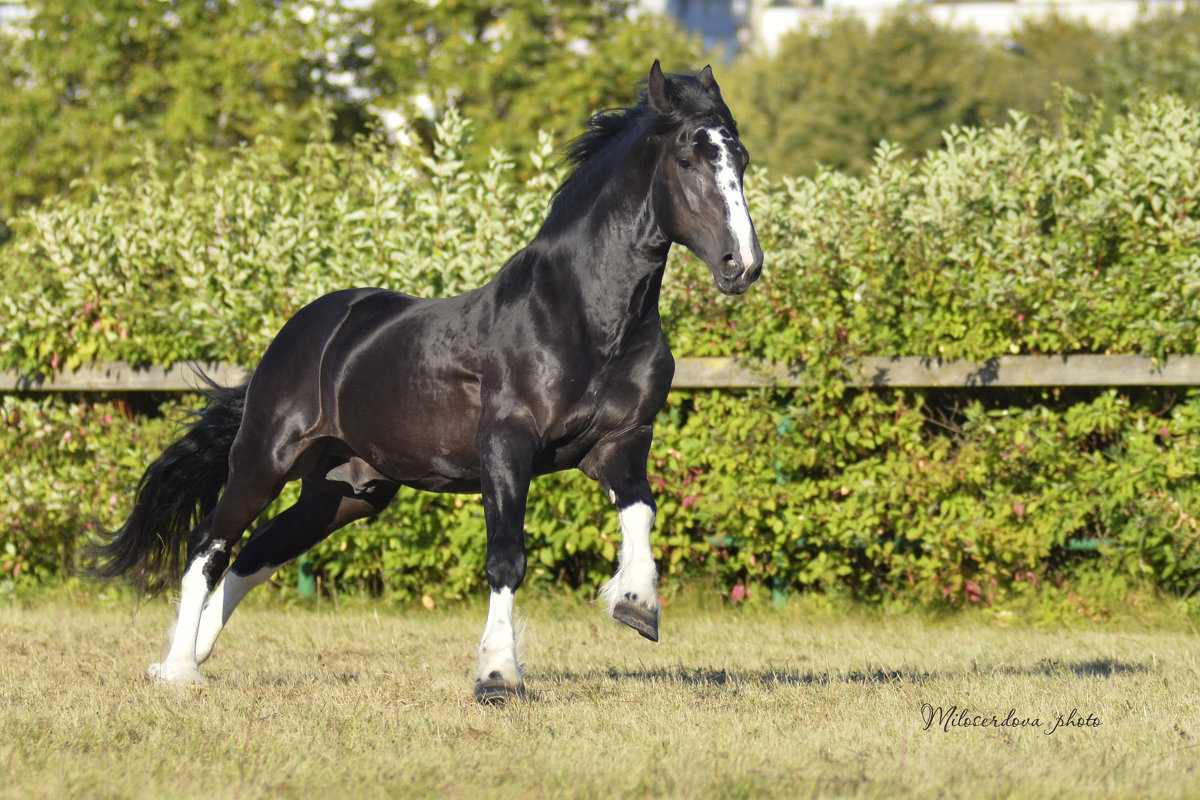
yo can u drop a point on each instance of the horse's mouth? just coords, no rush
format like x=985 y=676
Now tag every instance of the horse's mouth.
x=735 y=287
x=736 y=281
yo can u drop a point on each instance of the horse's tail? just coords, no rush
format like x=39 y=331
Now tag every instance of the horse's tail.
x=176 y=492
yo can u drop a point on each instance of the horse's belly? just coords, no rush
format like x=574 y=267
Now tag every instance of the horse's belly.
x=433 y=452
x=433 y=470
x=444 y=483
x=416 y=430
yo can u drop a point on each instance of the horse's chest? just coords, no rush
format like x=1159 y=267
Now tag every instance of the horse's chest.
x=611 y=401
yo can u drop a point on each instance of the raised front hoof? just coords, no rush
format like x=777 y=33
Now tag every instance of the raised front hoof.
x=175 y=674
x=640 y=618
x=497 y=692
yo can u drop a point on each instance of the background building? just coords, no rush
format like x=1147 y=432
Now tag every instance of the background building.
x=759 y=24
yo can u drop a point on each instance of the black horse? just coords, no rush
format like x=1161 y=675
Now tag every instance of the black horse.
x=559 y=362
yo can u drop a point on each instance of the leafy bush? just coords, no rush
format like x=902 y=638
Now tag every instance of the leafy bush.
x=65 y=467
x=1019 y=239
x=161 y=271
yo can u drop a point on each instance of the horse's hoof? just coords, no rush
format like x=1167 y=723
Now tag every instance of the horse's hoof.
x=176 y=674
x=497 y=692
x=640 y=618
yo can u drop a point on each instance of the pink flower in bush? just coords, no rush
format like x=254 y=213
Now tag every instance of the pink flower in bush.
x=738 y=593
x=974 y=594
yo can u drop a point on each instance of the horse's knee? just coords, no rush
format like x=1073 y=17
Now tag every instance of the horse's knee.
x=506 y=566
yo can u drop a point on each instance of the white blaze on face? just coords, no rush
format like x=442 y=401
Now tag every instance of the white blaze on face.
x=729 y=183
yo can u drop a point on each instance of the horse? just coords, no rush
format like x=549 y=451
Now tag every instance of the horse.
x=558 y=362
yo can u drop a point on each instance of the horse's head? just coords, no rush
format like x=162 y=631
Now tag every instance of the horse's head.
x=698 y=191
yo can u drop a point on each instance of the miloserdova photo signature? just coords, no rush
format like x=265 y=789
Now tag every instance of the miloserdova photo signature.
x=956 y=717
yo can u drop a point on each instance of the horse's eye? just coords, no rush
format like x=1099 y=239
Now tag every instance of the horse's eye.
x=686 y=163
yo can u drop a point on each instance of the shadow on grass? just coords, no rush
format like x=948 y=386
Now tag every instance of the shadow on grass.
x=686 y=676
x=1095 y=668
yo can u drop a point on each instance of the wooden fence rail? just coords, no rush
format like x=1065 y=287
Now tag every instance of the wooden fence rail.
x=718 y=373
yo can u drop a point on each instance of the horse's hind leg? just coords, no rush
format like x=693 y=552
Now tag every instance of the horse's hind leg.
x=620 y=466
x=315 y=515
x=250 y=489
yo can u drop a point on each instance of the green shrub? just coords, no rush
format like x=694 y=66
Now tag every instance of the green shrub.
x=67 y=466
x=1016 y=240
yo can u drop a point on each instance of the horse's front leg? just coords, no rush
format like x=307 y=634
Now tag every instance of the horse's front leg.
x=506 y=460
x=631 y=596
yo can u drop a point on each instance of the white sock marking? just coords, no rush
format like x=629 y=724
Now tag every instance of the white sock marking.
x=220 y=606
x=636 y=574
x=498 y=646
x=180 y=664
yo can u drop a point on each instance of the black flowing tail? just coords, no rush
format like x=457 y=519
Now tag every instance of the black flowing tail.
x=177 y=491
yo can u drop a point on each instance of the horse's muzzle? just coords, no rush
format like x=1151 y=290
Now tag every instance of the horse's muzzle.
x=733 y=277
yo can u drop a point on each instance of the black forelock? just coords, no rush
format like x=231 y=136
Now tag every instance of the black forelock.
x=688 y=99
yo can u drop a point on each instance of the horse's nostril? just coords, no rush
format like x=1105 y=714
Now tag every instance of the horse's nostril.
x=730 y=268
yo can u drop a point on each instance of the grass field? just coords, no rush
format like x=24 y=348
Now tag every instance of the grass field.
x=375 y=701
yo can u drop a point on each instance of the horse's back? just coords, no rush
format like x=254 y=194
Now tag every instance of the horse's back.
x=304 y=339
x=288 y=378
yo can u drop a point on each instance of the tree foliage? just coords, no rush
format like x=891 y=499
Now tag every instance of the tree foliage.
x=514 y=67
x=832 y=94
x=836 y=89
x=87 y=85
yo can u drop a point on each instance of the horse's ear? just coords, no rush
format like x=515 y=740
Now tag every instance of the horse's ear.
x=709 y=82
x=656 y=88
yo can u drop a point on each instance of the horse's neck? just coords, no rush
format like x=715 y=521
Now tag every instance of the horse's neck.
x=611 y=259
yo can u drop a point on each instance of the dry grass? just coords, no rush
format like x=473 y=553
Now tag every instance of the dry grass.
x=374 y=701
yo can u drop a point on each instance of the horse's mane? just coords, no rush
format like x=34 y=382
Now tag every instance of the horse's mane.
x=686 y=99
x=604 y=127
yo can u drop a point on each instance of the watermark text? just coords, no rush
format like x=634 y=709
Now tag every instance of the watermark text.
x=955 y=717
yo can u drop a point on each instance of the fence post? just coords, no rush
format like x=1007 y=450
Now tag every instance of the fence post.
x=306 y=577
